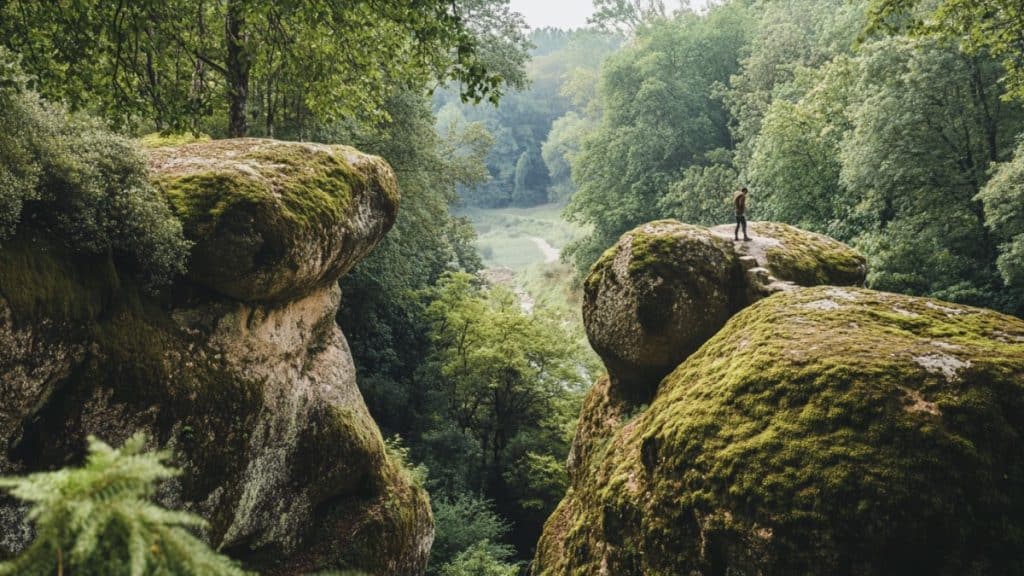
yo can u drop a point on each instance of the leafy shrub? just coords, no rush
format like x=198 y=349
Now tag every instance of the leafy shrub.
x=463 y=523
x=99 y=520
x=67 y=172
x=479 y=560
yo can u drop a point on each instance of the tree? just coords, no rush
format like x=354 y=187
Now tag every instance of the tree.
x=995 y=27
x=888 y=150
x=927 y=124
x=661 y=115
x=531 y=179
x=381 y=316
x=479 y=560
x=509 y=382
x=504 y=372
x=100 y=520
x=703 y=194
x=1003 y=198
x=180 y=62
x=626 y=16
x=794 y=166
x=790 y=38
x=465 y=521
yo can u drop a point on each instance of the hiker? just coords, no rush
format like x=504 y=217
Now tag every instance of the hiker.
x=739 y=201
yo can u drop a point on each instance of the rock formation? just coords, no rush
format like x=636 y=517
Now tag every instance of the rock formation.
x=664 y=288
x=823 y=430
x=240 y=368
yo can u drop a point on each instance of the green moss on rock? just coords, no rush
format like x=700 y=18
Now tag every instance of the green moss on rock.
x=655 y=296
x=821 y=431
x=158 y=140
x=275 y=220
x=809 y=259
x=42 y=278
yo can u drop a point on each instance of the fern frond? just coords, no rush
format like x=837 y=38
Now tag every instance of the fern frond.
x=99 y=520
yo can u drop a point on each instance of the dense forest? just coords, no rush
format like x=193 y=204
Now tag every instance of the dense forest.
x=891 y=125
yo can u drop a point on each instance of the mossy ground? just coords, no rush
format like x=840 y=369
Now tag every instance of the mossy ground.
x=42 y=278
x=822 y=431
x=158 y=140
x=810 y=259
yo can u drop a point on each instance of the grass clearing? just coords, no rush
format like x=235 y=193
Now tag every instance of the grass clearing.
x=507 y=239
x=504 y=235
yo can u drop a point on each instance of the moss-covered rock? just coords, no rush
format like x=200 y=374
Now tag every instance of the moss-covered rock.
x=821 y=431
x=665 y=287
x=654 y=297
x=251 y=383
x=791 y=255
x=275 y=220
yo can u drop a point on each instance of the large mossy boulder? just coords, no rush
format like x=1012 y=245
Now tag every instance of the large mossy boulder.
x=655 y=296
x=822 y=431
x=665 y=287
x=241 y=370
x=275 y=220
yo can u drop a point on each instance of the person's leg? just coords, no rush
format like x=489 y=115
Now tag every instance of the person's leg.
x=736 y=234
x=744 y=220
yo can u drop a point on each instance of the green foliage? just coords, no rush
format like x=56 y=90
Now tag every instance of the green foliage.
x=462 y=522
x=523 y=121
x=661 y=116
x=887 y=149
x=559 y=153
x=186 y=64
x=995 y=27
x=531 y=180
x=790 y=39
x=1003 y=198
x=99 y=520
x=699 y=196
x=479 y=560
x=67 y=172
x=626 y=16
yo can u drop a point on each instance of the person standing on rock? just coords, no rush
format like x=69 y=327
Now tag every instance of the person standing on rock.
x=739 y=201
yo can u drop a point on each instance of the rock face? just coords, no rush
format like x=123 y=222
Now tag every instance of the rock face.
x=665 y=287
x=240 y=369
x=823 y=430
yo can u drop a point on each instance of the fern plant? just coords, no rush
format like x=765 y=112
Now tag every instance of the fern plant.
x=100 y=520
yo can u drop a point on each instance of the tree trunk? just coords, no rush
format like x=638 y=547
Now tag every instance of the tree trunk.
x=198 y=75
x=237 y=68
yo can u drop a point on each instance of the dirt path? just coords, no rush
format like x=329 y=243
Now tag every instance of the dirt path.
x=551 y=253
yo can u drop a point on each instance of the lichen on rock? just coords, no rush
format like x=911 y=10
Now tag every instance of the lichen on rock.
x=804 y=439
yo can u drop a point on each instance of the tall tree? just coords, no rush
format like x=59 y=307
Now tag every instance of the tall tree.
x=661 y=116
x=993 y=26
x=626 y=16
x=195 y=60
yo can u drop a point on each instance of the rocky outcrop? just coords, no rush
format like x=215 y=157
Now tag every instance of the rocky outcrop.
x=666 y=287
x=823 y=430
x=274 y=220
x=240 y=368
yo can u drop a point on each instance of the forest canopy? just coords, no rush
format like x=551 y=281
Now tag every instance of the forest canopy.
x=212 y=66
